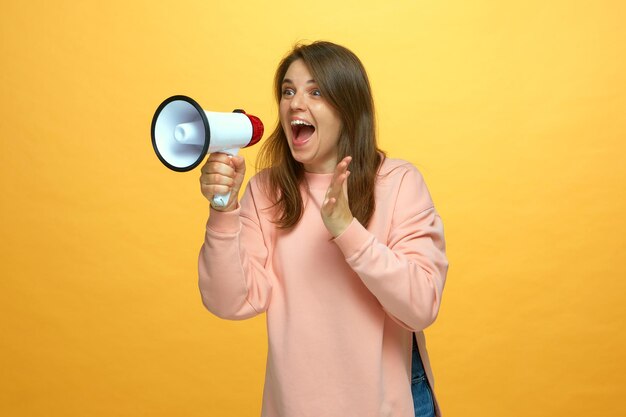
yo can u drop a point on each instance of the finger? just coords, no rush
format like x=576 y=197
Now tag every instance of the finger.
x=218 y=168
x=338 y=185
x=238 y=163
x=218 y=162
x=213 y=190
x=216 y=179
x=342 y=166
x=219 y=157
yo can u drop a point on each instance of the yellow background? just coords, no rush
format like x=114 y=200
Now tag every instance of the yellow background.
x=515 y=112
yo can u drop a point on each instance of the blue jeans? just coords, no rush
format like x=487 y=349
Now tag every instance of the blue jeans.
x=422 y=394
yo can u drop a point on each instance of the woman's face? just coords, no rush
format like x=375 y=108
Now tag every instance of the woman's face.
x=311 y=125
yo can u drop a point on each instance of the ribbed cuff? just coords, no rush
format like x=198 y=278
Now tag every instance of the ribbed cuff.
x=353 y=240
x=226 y=222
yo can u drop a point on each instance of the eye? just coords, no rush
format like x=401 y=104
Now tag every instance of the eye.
x=316 y=93
x=288 y=92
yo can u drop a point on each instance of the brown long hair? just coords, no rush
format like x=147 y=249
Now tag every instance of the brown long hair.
x=343 y=82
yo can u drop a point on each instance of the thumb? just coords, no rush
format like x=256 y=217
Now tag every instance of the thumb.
x=239 y=163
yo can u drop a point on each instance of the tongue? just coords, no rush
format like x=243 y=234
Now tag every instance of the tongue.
x=304 y=133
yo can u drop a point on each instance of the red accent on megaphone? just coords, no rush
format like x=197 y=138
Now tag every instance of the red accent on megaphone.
x=257 y=129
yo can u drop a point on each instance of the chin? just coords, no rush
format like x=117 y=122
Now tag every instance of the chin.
x=299 y=157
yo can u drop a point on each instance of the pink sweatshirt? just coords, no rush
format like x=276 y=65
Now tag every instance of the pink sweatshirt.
x=340 y=312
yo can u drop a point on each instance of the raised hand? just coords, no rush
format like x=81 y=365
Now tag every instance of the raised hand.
x=222 y=174
x=335 y=210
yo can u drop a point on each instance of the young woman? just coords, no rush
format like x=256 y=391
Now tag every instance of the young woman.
x=340 y=246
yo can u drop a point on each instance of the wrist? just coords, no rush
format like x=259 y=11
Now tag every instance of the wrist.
x=339 y=229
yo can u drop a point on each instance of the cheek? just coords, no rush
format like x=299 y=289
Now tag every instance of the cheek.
x=332 y=121
x=282 y=116
x=335 y=127
x=338 y=127
x=283 y=106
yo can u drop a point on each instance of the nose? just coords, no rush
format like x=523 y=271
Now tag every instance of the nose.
x=297 y=102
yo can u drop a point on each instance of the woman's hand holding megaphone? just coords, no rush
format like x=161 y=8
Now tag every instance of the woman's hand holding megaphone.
x=222 y=174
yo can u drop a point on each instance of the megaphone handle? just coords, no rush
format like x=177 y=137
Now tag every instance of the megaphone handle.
x=220 y=200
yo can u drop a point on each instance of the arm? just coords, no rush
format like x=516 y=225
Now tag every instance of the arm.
x=231 y=265
x=407 y=275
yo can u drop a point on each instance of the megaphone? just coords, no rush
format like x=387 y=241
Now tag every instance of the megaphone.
x=183 y=133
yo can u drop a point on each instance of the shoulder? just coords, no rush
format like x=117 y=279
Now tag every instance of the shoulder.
x=405 y=182
x=393 y=169
x=257 y=189
x=260 y=179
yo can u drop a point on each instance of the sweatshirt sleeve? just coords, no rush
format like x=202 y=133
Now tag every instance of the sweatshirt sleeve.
x=231 y=266
x=407 y=275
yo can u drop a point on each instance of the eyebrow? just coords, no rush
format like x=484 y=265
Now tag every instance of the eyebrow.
x=288 y=81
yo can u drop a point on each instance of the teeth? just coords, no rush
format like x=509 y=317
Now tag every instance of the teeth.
x=300 y=122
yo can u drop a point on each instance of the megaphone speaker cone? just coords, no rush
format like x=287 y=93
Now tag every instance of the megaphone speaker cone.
x=180 y=133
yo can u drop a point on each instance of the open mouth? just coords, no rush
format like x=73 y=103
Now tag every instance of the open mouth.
x=301 y=131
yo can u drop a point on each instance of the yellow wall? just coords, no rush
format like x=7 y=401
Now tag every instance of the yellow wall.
x=515 y=112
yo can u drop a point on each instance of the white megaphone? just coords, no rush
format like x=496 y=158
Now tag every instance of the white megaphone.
x=183 y=134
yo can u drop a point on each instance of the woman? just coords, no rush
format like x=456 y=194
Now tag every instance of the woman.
x=340 y=246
